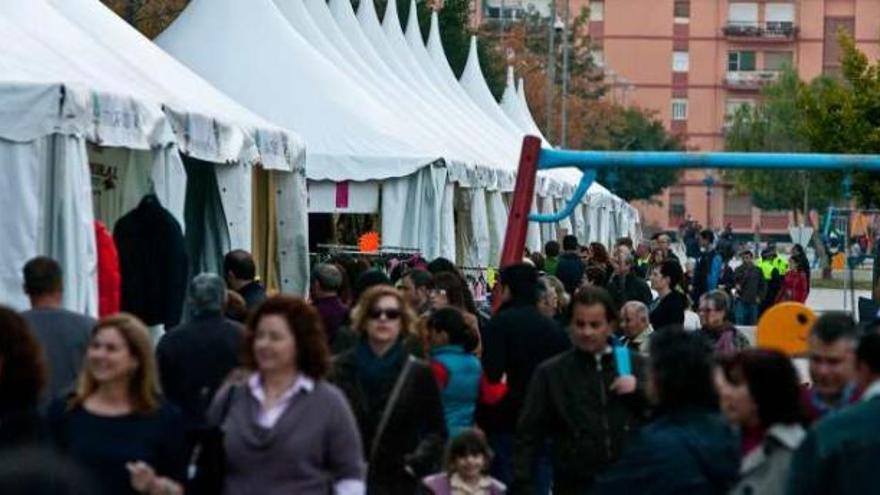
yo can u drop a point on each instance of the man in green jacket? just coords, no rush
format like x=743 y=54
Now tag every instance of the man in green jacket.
x=582 y=401
x=842 y=452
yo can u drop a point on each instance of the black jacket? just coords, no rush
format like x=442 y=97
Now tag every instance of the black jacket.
x=570 y=271
x=691 y=452
x=253 y=294
x=669 y=310
x=515 y=342
x=570 y=402
x=194 y=359
x=629 y=287
x=152 y=262
x=416 y=433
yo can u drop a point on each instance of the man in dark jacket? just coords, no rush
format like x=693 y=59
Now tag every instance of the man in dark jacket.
x=841 y=454
x=708 y=269
x=625 y=285
x=515 y=342
x=582 y=401
x=196 y=357
x=570 y=268
x=749 y=290
x=240 y=271
x=688 y=448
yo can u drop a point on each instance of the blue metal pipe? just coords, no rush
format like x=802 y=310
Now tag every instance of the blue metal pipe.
x=672 y=159
x=579 y=193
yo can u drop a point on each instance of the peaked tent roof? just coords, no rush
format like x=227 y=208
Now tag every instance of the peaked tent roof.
x=199 y=107
x=282 y=77
x=524 y=107
x=99 y=96
x=425 y=132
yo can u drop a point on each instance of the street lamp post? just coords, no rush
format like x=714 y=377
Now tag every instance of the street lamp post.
x=708 y=181
x=563 y=141
x=551 y=70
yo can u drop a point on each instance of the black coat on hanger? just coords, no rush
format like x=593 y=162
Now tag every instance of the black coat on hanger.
x=153 y=263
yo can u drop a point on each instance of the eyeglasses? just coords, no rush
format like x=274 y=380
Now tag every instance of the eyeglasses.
x=390 y=313
x=706 y=310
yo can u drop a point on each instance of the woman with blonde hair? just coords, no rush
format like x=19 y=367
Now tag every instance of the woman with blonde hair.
x=115 y=424
x=394 y=396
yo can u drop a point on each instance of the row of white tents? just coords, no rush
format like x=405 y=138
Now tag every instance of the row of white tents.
x=355 y=103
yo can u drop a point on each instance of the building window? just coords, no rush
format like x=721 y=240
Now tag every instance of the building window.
x=776 y=61
x=682 y=9
x=598 y=56
x=779 y=17
x=597 y=11
x=677 y=207
x=734 y=105
x=741 y=61
x=743 y=14
x=679 y=109
x=680 y=61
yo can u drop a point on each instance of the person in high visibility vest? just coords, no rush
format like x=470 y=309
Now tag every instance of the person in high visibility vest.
x=771 y=271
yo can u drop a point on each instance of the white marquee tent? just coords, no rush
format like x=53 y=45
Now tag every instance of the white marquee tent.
x=62 y=91
x=380 y=108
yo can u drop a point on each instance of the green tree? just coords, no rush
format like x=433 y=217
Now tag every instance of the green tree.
x=843 y=116
x=777 y=124
x=636 y=130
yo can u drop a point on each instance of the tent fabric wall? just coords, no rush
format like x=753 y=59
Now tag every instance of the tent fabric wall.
x=293 y=228
x=411 y=210
x=47 y=210
x=448 y=248
x=234 y=182
x=472 y=227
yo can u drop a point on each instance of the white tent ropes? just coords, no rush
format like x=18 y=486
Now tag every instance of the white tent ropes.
x=67 y=98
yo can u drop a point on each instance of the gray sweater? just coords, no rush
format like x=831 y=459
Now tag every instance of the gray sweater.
x=314 y=444
x=64 y=336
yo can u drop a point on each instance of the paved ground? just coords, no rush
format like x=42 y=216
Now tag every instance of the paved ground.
x=833 y=299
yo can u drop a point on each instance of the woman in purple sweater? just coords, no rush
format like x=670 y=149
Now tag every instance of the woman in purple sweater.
x=287 y=430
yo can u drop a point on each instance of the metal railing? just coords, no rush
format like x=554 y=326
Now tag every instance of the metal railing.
x=754 y=79
x=771 y=30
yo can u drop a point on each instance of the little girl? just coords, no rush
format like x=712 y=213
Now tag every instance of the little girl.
x=467 y=459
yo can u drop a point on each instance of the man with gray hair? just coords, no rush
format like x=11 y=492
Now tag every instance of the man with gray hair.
x=635 y=326
x=326 y=282
x=196 y=357
x=624 y=284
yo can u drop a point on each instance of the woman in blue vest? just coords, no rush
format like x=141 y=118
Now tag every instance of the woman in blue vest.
x=457 y=370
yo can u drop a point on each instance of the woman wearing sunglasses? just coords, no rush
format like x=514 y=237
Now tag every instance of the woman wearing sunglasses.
x=394 y=396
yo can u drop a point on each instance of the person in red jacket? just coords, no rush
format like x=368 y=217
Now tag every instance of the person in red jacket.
x=794 y=285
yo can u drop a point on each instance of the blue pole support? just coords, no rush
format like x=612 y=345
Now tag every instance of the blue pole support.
x=590 y=161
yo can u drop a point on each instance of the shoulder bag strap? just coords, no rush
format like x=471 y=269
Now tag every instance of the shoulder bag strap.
x=389 y=407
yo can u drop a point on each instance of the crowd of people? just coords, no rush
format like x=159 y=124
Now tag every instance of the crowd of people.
x=601 y=372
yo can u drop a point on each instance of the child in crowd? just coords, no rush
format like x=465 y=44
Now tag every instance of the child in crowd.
x=459 y=374
x=467 y=462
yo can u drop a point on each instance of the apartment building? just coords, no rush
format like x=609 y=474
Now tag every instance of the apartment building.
x=696 y=61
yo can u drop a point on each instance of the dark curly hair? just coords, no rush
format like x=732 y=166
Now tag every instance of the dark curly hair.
x=22 y=361
x=681 y=367
x=306 y=327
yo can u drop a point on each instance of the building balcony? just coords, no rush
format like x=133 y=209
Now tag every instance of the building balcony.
x=749 y=80
x=757 y=31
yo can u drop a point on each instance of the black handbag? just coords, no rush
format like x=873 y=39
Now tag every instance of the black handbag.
x=207 y=466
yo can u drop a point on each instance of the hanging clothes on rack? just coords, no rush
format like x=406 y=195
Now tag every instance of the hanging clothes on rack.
x=153 y=263
x=109 y=277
